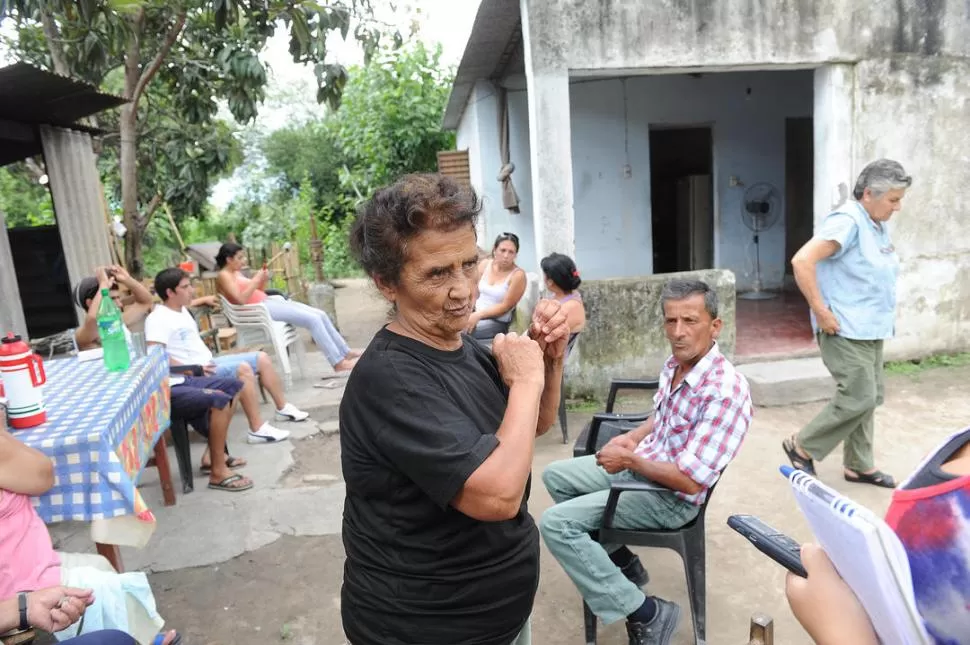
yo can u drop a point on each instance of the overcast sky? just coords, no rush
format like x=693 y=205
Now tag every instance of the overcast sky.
x=448 y=22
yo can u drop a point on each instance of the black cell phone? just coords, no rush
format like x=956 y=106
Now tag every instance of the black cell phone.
x=770 y=541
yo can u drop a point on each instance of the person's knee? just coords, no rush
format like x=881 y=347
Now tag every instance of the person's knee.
x=245 y=372
x=551 y=522
x=552 y=474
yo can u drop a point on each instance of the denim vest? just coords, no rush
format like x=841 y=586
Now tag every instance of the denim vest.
x=858 y=283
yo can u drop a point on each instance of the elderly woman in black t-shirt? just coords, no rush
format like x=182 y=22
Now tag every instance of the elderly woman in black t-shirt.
x=437 y=436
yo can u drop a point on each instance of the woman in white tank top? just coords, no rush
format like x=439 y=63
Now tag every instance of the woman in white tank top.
x=500 y=288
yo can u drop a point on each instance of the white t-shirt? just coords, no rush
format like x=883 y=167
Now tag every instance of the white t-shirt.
x=179 y=332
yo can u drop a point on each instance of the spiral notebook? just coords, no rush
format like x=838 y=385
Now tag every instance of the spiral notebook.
x=868 y=556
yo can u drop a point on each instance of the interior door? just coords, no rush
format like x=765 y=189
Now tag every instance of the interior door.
x=701 y=223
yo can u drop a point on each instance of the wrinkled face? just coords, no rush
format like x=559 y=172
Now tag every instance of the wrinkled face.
x=436 y=290
x=689 y=328
x=882 y=208
x=183 y=294
x=505 y=254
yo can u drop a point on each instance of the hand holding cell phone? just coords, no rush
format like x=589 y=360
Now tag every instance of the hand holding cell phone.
x=770 y=541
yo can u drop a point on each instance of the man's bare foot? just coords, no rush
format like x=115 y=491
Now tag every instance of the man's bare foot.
x=355 y=353
x=345 y=365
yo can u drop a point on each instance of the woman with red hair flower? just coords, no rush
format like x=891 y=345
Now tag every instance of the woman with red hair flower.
x=562 y=279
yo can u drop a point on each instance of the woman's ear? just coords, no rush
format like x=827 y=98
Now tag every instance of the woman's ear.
x=389 y=292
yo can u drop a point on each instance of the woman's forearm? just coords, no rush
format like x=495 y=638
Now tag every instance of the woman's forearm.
x=551 y=393
x=9 y=615
x=494 y=491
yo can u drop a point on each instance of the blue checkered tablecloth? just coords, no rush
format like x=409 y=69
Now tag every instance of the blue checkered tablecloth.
x=100 y=430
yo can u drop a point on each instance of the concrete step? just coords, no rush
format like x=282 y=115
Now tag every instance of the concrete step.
x=799 y=380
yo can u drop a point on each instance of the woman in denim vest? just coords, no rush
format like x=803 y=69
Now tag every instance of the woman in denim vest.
x=847 y=273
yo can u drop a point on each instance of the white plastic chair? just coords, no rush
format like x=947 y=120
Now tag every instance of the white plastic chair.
x=254 y=325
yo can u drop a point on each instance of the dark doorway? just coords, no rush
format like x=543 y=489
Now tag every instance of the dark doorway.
x=799 y=185
x=681 y=199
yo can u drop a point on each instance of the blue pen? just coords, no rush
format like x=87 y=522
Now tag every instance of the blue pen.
x=811 y=486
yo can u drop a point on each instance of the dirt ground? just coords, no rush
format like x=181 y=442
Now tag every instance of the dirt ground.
x=288 y=592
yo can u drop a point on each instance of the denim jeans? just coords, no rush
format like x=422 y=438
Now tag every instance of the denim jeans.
x=580 y=489
x=326 y=337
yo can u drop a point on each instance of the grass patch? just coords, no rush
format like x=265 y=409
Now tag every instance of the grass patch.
x=584 y=405
x=916 y=366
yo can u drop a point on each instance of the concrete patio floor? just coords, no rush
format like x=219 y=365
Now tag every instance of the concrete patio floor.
x=264 y=566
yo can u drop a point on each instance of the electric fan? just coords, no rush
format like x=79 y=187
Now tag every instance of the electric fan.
x=760 y=209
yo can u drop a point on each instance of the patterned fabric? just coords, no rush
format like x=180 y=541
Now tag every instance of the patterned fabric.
x=100 y=431
x=933 y=523
x=700 y=425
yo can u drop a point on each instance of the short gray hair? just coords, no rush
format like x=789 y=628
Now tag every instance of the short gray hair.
x=880 y=177
x=681 y=289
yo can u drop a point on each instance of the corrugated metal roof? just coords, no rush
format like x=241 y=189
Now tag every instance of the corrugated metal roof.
x=32 y=96
x=490 y=47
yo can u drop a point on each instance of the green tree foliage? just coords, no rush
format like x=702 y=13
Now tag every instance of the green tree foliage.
x=388 y=124
x=23 y=200
x=192 y=52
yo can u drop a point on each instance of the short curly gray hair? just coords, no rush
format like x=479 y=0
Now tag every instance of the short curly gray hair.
x=399 y=212
x=880 y=177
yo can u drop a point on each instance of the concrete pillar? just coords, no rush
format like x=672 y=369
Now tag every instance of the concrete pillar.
x=833 y=123
x=324 y=297
x=551 y=150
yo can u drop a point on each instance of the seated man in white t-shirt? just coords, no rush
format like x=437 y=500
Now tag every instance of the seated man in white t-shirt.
x=171 y=325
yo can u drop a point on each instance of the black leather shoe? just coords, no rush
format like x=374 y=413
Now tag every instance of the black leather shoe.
x=658 y=631
x=635 y=572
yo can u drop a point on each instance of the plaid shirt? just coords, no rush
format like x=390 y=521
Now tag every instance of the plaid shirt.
x=699 y=426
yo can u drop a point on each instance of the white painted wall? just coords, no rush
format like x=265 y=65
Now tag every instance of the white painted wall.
x=613 y=213
x=478 y=132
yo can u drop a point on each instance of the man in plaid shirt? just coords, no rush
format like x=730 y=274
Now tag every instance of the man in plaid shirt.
x=701 y=413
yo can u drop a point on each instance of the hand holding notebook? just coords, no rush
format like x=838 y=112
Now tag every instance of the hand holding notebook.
x=868 y=556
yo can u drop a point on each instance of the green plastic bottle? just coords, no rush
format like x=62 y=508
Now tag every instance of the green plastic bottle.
x=111 y=329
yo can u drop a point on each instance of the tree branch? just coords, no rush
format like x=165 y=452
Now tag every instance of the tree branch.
x=53 y=40
x=152 y=69
x=152 y=207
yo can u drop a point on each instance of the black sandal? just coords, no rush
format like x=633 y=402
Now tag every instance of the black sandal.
x=878 y=478
x=797 y=461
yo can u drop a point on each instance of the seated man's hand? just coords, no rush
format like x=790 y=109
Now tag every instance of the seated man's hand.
x=57 y=608
x=614 y=458
x=209 y=369
x=624 y=440
x=825 y=605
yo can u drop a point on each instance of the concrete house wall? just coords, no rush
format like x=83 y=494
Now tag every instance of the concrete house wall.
x=613 y=212
x=891 y=79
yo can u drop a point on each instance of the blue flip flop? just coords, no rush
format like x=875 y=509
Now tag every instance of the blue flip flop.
x=161 y=639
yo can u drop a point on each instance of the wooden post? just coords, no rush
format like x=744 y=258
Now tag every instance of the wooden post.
x=171 y=220
x=112 y=239
x=762 y=630
x=316 y=249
